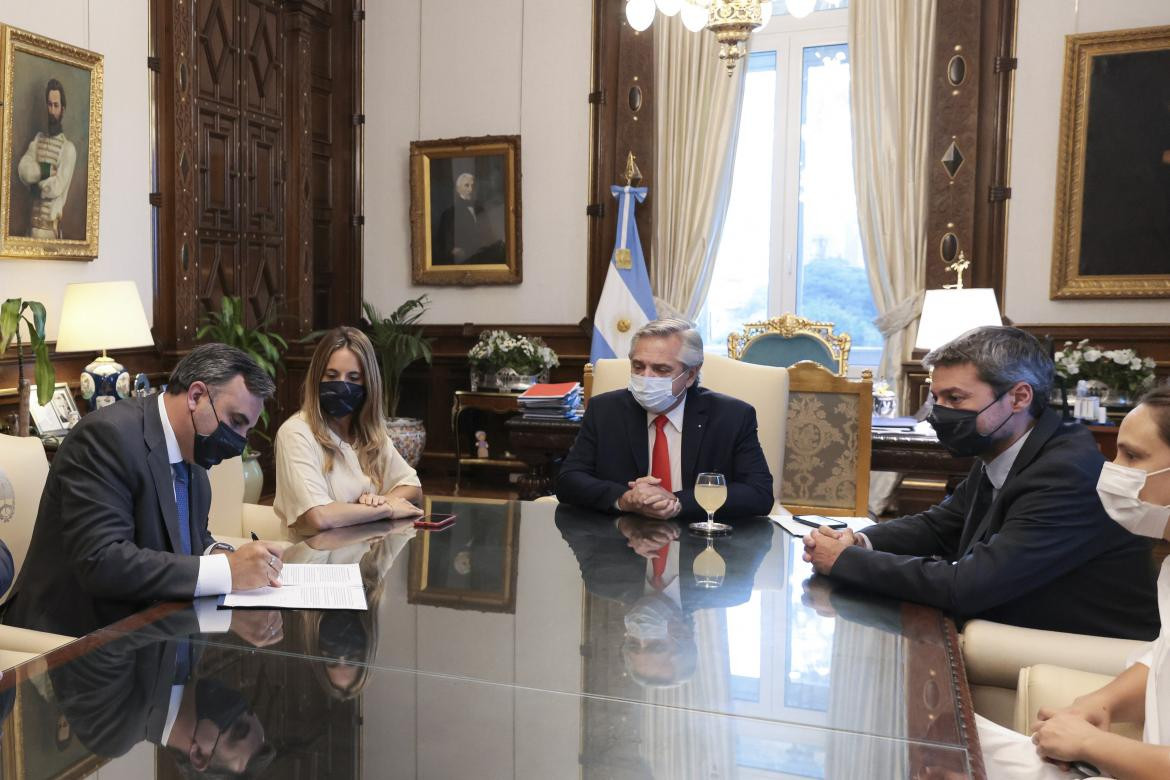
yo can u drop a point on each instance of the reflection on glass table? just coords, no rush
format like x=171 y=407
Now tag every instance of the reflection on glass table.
x=614 y=658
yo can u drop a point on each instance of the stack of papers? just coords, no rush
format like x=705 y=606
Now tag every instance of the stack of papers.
x=307 y=586
x=552 y=402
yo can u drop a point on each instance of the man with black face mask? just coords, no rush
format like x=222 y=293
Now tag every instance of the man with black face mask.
x=123 y=516
x=148 y=686
x=1024 y=539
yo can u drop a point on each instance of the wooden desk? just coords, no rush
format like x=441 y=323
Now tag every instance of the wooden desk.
x=542 y=445
x=493 y=403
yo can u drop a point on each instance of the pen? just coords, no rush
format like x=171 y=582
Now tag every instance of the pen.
x=255 y=538
x=809 y=523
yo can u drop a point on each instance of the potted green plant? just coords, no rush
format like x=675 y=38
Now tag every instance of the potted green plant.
x=12 y=313
x=264 y=345
x=399 y=342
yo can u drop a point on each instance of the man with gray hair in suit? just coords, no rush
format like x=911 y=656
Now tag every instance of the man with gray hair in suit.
x=641 y=447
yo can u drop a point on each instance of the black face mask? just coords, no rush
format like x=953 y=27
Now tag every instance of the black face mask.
x=341 y=399
x=220 y=444
x=343 y=635
x=218 y=703
x=957 y=431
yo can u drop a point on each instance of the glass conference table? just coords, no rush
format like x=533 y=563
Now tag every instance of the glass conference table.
x=527 y=640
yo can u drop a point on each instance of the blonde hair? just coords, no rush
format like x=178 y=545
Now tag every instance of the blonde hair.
x=371 y=442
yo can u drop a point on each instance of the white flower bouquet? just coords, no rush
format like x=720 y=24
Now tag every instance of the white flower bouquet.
x=1122 y=370
x=497 y=349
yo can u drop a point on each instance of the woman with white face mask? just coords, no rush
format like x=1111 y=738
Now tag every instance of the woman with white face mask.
x=1135 y=491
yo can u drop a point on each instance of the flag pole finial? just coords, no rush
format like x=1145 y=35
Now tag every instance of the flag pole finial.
x=632 y=172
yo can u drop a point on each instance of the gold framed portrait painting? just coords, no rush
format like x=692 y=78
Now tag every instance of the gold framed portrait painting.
x=1111 y=235
x=465 y=211
x=50 y=158
x=471 y=564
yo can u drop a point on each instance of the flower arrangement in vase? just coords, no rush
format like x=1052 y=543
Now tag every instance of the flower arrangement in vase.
x=1122 y=372
x=508 y=361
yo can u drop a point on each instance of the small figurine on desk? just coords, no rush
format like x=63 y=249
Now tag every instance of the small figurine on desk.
x=141 y=386
x=481 y=445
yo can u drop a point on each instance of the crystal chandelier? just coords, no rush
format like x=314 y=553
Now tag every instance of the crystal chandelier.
x=731 y=21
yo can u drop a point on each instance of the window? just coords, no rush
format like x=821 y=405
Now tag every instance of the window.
x=790 y=240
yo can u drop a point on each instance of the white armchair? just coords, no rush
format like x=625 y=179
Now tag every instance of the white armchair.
x=232 y=520
x=997 y=658
x=23 y=471
x=764 y=387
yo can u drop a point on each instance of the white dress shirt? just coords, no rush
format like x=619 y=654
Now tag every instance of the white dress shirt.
x=212 y=620
x=215 y=574
x=1157 y=658
x=673 y=431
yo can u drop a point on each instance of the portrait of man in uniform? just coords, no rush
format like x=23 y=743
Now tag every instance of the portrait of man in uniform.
x=47 y=166
x=51 y=149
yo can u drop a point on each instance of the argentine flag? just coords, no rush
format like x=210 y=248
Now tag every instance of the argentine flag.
x=626 y=301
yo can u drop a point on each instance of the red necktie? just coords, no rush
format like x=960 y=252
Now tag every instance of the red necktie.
x=660 y=463
x=660 y=468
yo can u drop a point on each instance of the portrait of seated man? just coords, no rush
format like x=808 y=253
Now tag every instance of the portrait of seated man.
x=470 y=226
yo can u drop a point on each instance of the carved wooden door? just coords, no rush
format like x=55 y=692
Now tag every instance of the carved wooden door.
x=239 y=154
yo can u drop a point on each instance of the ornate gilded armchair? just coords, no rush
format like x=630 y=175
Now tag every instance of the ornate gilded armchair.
x=827 y=444
x=787 y=340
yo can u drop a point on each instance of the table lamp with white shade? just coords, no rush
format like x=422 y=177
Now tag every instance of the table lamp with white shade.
x=948 y=314
x=96 y=316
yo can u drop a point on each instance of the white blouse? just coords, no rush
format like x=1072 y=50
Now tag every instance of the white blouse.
x=301 y=481
x=1157 y=731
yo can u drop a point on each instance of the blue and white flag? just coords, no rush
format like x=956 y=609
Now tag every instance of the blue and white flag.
x=626 y=301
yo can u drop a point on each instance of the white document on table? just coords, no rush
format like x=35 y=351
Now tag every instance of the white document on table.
x=307 y=586
x=800 y=529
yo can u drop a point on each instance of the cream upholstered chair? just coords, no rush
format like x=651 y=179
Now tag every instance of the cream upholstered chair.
x=1044 y=685
x=230 y=519
x=827 y=450
x=764 y=387
x=23 y=471
x=1004 y=665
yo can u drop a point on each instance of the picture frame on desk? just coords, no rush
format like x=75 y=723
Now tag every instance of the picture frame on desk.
x=57 y=417
x=471 y=564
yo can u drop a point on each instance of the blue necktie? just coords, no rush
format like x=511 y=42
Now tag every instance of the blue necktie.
x=181 y=479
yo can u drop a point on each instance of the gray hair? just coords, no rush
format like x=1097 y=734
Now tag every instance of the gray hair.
x=1002 y=356
x=463 y=176
x=691 y=354
x=217 y=364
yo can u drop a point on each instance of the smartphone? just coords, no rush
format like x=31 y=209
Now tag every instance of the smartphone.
x=816 y=521
x=434 y=522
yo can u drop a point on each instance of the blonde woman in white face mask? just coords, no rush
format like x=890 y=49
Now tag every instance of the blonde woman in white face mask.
x=1135 y=491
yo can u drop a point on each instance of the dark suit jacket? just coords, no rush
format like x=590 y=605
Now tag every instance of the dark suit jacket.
x=1045 y=554
x=719 y=434
x=7 y=567
x=117 y=695
x=612 y=570
x=107 y=528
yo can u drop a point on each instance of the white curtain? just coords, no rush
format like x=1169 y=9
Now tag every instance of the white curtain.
x=697 y=124
x=890 y=43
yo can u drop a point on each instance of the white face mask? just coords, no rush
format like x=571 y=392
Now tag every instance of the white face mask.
x=655 y=394
x=1118 y=487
